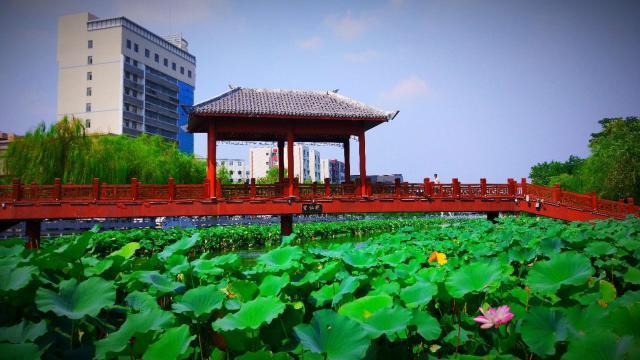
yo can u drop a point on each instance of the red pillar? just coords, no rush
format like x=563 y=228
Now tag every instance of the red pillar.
x=290 y=160
x=280 y=161
x=286 y=224
x=211 y=158
x=347 y=162
x=32 y=230
x=363 y=162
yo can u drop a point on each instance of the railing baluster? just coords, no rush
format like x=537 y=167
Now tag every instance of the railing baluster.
x=327 y=187
x=172 y=189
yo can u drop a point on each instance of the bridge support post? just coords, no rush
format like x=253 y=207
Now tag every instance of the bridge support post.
x=280 y=160
x=32 y=232
x=327 y=187
x=492 y=216
x=363 y=163
x=286 y=225
x=211 y=158
x=347 y=162
x=290 y=164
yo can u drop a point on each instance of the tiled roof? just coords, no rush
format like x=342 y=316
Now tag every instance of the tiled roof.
x=256 y=102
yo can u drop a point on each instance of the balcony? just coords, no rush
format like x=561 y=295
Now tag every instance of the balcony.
x=131 y=116
x=162 y=81
x=161 y=110
x=132 y=100
x=132 y=132
x=133 y=85
x=160 y=96
x=134 y=70
x=161 y=124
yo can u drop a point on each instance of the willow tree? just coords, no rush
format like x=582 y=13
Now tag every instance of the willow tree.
x=64 y=150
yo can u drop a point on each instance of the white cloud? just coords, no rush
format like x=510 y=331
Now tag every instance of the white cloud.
x=410 y=87
x=348 y=27
x=311 y=43
x=361 y=56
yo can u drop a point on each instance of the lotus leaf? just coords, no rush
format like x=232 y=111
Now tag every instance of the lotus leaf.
x=362 y=308
x=179 y=246
x=263 y=355
x=18 y=278
x=159 y=283
x=334 y=292
x=336 y=336
x=26 y=351
x=141 y=301
x=153 y=319
x=173 y=344
x=418 y=294
x=281 y=258
x=567 y=268
x=241 y=290
x=359 y=259
x=477 y=276
x=200 y=301
x=632 y=276
x=271 y=285
x=387 y=321
x=76 y=300
x=427 y=326
x=542 y=327
x=602 y=345
x=251 y=314
x=127 y=250
x=23 y=332
x=599 y=248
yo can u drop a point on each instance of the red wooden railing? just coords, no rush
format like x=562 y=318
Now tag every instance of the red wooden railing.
x=33 y=194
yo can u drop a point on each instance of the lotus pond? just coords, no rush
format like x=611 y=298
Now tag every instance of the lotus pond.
x=522 y=288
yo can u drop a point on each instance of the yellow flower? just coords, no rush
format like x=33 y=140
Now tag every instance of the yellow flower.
x=439 y=257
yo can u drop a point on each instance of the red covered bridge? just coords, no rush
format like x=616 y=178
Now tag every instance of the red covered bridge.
x=286 y=116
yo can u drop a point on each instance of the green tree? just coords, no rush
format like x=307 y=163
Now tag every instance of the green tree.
x=271 y=177
x=63 y=150
x=223 y=175
x=542 y=173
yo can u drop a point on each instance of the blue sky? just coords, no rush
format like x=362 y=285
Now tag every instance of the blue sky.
x=484 y=88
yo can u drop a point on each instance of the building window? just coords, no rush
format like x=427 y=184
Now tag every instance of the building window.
x=128 y=44
x=173 y=66
x=135 y=47
x=89 y=75
x=189 y=73
x=89 y=59
x=157 y=58
x=88 y=107
x=182 y=70
x=147 y=53
x=166 y=62
x=88 y=91
x=135 y=63
x=90 y=44
x=87 y=123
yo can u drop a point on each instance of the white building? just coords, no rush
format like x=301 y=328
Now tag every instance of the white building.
x=237 y=169
x=121 y=78
x=306 y=162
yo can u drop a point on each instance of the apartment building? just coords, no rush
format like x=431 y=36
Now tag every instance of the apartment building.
x=306 y=162
x=237 y=169
x=333 y=170
x=121 y=78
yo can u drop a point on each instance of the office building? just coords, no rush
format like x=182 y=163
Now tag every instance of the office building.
x=306 y=162
x=383 y=179
x=237 y=169
x=333 y=170
x=121 y=78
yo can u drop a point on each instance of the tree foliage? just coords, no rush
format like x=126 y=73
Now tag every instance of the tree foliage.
x=223 y=175
x=271 y=177
x=613 y=168
x=64 y=150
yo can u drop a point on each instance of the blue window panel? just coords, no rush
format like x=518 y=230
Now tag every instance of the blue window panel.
x=185 y=97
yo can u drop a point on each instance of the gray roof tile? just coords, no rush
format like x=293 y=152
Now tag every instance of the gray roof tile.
x=248 y=101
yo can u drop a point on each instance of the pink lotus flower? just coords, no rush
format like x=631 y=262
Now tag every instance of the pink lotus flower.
x=494 y=317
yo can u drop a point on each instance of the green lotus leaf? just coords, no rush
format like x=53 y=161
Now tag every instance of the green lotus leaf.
x=176 y=264
x=599 y=248
x=141 y=301
x=329 y=271
x=92 y=266
x=551 y=245
x=251 y=315
x=271 y=285
x=227 y=260
x=263 y=355
x=200 y=301
x=624 y=320
x=333 y=335
x=359 y=259
x=287 y=240
x=241 y=290
x=387 y=321
x=180 y=246
x=158 y=283
x=11 y=251
x=602 y=344
x=204 y=267
x=567 y=268
x=74 y=249
x=585 y=319
x=632 y=276
x=607 y=291
x=76 y=300
x=173 y=344
x=542 y=328
x=281 y=258
x=394 y=259
x=333 y=293
x=23 y=332
x=458 y=337
x=427 y=326
x=127 y=250
x=418 y=294
x=473 y=277
x=116 y=342
x=362 y=308
x=18 y=278
x=26 y=351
